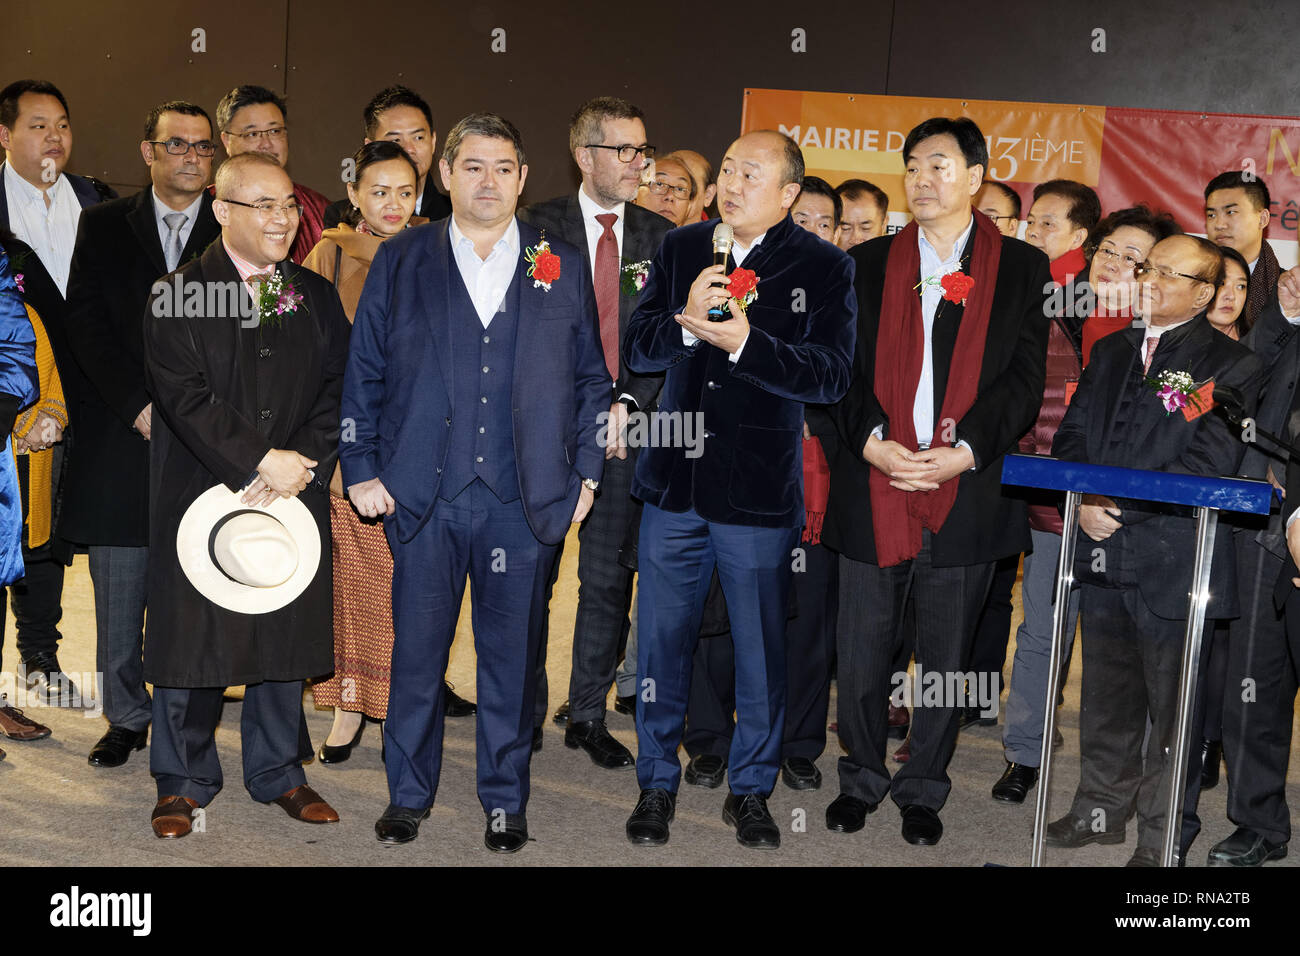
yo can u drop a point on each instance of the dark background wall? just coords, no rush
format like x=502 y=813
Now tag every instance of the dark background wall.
x=684 y=63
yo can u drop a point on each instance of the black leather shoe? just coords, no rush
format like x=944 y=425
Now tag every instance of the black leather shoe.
x=116 y=745
x=505 y=836
x=537 y=739
x=706 y=770
x=921 y=825
x=1071 y=832
x=561 y=717
x=1014 y=783
x=1211 y=754
x=1244 y=848
x=755 y=828
x=848 y=814
x=648 y=824
x=399 y=824
x=45 y=678
x=974 y=717
x=453 y=705
x=593 y=737
x=1145 y=856
x=800 y=773
x=328 y=754
x=625 y=705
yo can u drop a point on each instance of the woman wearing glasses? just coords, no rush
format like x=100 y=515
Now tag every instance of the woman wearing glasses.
x=383 y=200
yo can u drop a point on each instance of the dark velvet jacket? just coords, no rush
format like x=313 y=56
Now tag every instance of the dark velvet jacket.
x=984 y=524
x=1157 y=542
x=800 y=350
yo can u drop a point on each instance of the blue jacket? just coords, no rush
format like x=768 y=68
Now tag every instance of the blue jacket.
x=19 y=387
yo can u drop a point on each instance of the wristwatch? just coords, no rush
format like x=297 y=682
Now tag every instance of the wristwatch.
x=591 y=484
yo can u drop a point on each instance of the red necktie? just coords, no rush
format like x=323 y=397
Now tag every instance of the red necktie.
x=606 y=282
x=1151 y=351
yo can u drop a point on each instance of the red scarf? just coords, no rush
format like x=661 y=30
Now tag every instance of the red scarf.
x=898 y=517
x=816 y=489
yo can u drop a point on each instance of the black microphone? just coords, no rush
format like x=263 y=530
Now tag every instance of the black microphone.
x=723 y=236
x=1234 y=409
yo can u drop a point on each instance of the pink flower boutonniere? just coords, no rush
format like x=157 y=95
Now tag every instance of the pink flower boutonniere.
x=635 y=275
x=1178 y=391
x=18 y=281
x=276 y=298
x=543 y=264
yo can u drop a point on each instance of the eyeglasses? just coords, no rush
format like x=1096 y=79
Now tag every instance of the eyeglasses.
x=179 y=147
x=266 y=209
x=277 y=133
x=627 y=154
x=996 y=218
x=659 y=188
x=1109 y=254
x=1146 y=269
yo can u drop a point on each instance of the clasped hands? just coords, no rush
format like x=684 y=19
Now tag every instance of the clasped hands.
x=45 y=432
x=728 y=335
x=282 y=473
x=923 y=470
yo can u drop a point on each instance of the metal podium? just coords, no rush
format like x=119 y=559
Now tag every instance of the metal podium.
x=1208 y=496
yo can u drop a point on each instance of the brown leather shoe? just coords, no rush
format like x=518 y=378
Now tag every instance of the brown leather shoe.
x=173 y=817
x=904 y=753
x=305 y=804
x=18 y=726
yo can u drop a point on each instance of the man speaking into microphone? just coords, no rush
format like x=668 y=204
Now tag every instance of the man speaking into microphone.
x=745 y=345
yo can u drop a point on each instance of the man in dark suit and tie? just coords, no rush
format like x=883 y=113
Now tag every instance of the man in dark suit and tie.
x=1134 y=558
x=952 y=339
x=474 y=388
x=608 y=142
x=732 y=498
x=123 y=248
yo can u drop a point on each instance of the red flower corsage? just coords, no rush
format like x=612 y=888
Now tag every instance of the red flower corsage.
x=742 y=285
x=543 y=265
x=956 y=286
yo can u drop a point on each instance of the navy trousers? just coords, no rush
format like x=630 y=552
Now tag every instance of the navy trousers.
x=678 y=553
x=508 y=568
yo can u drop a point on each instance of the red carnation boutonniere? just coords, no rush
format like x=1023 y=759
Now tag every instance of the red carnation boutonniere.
x=742 y=286
x=543 y=264
x=956 y=286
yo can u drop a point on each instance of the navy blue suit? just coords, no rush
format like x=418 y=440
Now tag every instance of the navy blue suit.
x=482 y=436
x=734 y=502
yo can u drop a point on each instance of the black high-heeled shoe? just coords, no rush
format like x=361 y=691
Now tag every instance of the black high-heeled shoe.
x=328 y=754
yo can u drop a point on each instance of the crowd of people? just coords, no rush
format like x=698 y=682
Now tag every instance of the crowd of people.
x=362 y=404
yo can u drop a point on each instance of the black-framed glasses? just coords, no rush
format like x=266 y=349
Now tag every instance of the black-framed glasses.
x=627 y=153
x=179 y=147
x=265 y=209
x=659 y=188
x=996 y=218
x=1147 y=269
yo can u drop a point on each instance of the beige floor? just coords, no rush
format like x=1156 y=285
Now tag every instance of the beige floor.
x=55 y=809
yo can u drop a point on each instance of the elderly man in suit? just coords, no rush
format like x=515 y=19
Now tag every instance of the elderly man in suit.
x=246 y=394
x=733 y=497
x=608 y=142
x=1134 y=558
x=123 y=247
x=952 y=339
x=474 y=388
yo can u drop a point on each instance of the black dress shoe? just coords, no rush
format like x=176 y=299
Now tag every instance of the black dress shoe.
x=625 y=705
x=921 y=825
x=800 y=773
x=1145 y=856
x=1014 y=783
x=44 y=677
x=1211 y=754
x=453 y=705
x=328 y=754
x=561 y=717
x=974 y=717
x=1071 y=831
x=706 y=770
x=505 y=836
x=755 y=828
x=648 y=824
x=848 y=814
x=399 y=824
x=116 y=745
x=593 y=737
x=537 y=739
x=1245 y=848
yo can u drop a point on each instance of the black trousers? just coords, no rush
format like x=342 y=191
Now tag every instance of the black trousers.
x=946 y=603
x=1263 y=669
x=989 y=651
x=38 y=606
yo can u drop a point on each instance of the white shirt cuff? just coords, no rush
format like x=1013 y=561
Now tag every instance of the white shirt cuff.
x=688 y=339
x=735 y=356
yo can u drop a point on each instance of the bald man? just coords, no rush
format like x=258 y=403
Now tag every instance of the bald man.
x=729 y=493
x=1134 y=558
x=248 y=401
x=706 y=184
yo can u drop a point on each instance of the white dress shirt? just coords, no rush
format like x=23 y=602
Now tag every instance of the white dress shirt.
x=52 y=231
x=487 y=280
x=738 y=252
x=590 y=210
x=161 y=209
x=931 y=295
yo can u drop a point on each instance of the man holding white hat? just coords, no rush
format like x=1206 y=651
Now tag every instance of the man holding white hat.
x=244 y=355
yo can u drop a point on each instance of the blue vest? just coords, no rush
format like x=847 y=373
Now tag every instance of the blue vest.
x=482 y=429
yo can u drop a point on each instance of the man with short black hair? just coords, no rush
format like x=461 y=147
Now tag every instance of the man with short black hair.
x=1237 y=215
x=255 y=119
x=818 y=208
x=1062 y=215
x=1000 y=203
x=865 y=213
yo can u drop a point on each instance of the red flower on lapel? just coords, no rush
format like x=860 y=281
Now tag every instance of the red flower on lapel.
x=956 y=286
x=543 y=265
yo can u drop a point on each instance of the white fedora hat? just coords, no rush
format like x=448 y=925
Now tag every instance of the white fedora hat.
x=249 y=560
